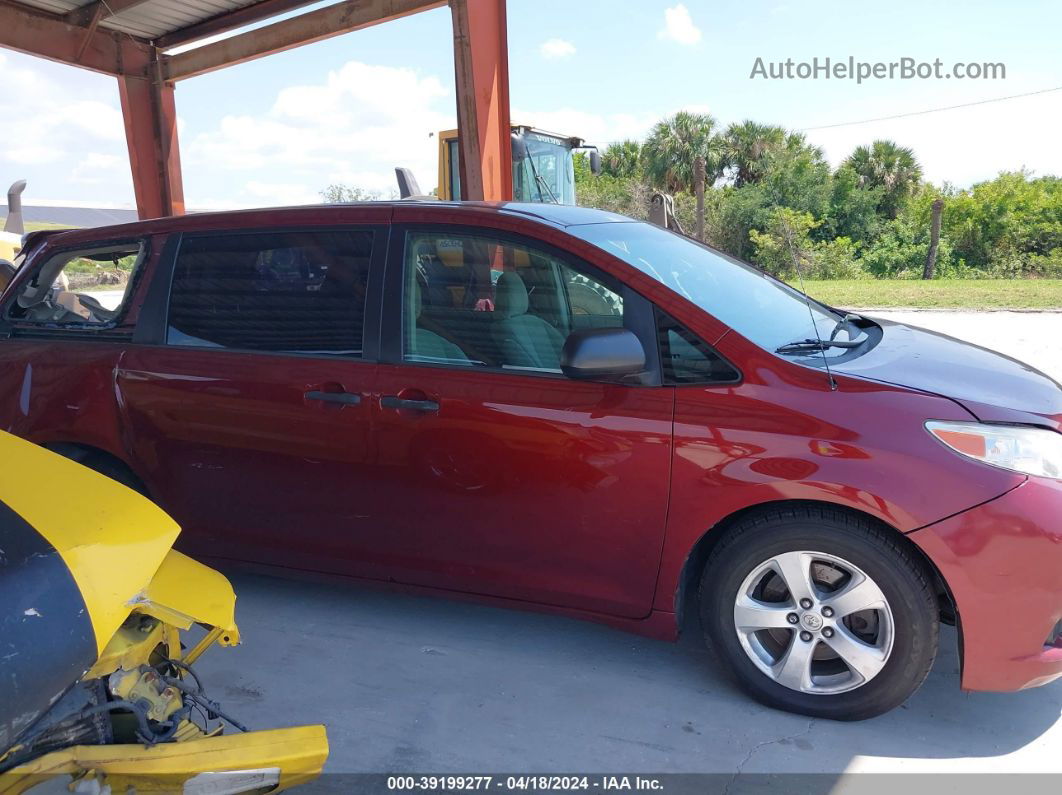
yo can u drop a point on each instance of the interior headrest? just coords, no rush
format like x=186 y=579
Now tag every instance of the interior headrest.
x=510 y=295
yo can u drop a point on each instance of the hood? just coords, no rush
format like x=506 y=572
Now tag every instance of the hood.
x=991 y=386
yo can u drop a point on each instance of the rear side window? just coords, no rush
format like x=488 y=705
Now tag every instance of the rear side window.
x=83 y=288
x=292 y=292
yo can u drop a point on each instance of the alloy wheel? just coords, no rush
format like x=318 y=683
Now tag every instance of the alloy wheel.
x=814 y=622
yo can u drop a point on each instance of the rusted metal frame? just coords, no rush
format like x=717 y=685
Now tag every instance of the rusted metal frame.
x=306 y=28
x=89 y=32
x=481 y=72
x=98 y=10
x=150 y=115
x=229 y=20
x=50 y=36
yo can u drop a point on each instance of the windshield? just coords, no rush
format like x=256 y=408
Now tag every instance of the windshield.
x=761 y=309
x=547 y=174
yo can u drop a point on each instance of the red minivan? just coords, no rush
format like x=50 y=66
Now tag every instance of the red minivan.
x=560 y=408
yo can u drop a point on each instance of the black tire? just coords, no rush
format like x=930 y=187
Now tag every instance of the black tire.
x=104 y=465
x=879 y=552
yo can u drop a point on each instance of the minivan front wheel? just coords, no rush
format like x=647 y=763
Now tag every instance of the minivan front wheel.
x=820 y=612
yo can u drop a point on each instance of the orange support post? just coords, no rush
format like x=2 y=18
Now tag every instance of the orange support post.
x=481 y=66
x=151 y=135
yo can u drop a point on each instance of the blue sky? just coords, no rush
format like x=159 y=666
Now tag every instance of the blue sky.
x=279 y=129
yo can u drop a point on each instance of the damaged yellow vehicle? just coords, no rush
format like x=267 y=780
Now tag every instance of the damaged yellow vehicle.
x=95 y=682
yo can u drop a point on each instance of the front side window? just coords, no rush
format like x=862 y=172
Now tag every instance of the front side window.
x=687 y=359
x=761 y=309
x=292 y=292
x=83 y=288
x=482 y=302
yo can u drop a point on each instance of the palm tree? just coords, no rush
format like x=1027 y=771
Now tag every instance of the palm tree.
x=622 y=160
x=685 y=153
x=748 y=145
x=889 y=166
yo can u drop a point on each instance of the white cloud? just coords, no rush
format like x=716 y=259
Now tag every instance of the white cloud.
x=282 y=193
x=353 y=127
x=49 y=124
x=556 y=48
x=98 y=168
x=679 y=27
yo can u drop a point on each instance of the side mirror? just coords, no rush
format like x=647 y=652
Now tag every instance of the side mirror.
x=519 y=146
x=595 y=162
x=602 y=353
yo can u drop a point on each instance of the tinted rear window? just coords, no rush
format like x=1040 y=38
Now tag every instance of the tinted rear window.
x=297 y=292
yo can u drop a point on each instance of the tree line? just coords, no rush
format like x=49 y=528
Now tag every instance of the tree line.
x=764 y=194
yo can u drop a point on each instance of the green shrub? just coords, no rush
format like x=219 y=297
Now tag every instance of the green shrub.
x=837 y=259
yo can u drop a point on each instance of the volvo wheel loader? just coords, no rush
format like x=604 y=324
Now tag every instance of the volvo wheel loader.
x=543 y=167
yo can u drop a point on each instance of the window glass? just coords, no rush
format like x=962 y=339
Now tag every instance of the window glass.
x=477 y=301
x=547 y=174
x=80 y=288
x=686 y=359
x=295 y=292
x=761 y=309
x=455 y=169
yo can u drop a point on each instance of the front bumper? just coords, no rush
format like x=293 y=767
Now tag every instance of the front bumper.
x=1003 y=564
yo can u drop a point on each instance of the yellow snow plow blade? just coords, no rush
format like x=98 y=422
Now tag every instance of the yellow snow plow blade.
x=111 y=539
x=271 y=760
x=95 y=682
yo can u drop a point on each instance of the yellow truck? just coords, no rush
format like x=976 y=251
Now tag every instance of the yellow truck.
x=95 y=682
x=543 y=166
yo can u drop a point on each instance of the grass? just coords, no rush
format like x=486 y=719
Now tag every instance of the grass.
x=940 y=294
x=36 y=226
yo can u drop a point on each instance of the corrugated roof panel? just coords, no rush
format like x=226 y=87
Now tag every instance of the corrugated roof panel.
x=151 y=18
x=55 y=6
x=157 y=17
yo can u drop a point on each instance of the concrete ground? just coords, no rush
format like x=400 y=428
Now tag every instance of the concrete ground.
x=411 y=684
x=1032 y=337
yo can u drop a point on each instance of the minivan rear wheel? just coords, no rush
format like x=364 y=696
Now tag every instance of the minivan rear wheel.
x=820 y=612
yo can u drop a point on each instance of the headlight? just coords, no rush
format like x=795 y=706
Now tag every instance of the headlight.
x=1033 y=451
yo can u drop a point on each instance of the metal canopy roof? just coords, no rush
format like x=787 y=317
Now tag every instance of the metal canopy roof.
x=139 y=43
x=177 y=21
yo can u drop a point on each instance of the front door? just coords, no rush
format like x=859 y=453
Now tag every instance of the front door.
x=251 y=424
x=501 y=476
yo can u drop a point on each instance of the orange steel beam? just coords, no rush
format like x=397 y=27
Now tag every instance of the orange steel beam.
x=481 y=67
x=148 y=109
x=146 y=78
x=100 y=8
x=324 y=23
x=229 y=20
x=50 y=36
x=150 y=116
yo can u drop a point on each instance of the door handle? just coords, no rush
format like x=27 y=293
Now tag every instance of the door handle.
x=343 y=398
x=408 y=404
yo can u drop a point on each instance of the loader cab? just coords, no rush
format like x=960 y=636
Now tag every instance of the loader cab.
x=543 y=166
